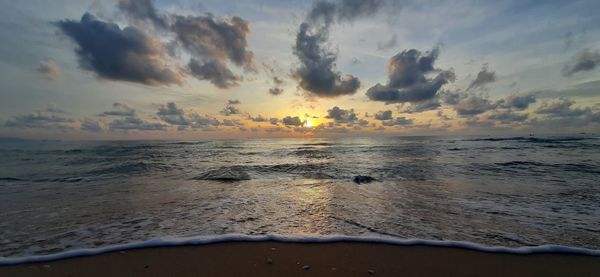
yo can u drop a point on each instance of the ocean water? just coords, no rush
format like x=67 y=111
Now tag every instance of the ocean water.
x=509 y=191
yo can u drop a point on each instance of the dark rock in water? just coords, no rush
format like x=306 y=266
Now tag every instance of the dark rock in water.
x=361 y=179
x=227 y=174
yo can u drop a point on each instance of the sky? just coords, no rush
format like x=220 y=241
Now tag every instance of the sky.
x=144 y=69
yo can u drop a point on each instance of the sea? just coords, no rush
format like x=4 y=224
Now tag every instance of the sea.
x=61 y=196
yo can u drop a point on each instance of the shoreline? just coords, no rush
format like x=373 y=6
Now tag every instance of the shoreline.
x=207 y=240
x=272 y=258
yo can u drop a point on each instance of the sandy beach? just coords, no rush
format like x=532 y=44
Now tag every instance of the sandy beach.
x=310 y=259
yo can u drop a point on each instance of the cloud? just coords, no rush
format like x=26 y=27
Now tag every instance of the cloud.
x=173 y=115
x=407 y=78
x=213 y=42
x=134 y=123
x=230 y=109
x=49 y=70
x=508 y=117
x=129 y=54
x=473 y=105
x=317 y=73
x=275 y=91
x=50 y=118
x=258 y=118
x=561 y=107
x=385 y=45
x=141 y=11
x=423 y=106
x=119 y=54
x=217 y=73
x=234 y=102
x=383 y=115
x=518 y=101
x=274 y=121
x=399 y=121
x=119 y=109
x=90 y=125
x=483 y=77
x=341 y=115
x=585 y=60
x=230 y=122
x=292 y=121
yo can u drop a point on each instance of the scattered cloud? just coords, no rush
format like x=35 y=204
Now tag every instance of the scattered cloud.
x=383 y=115
x=113 y=53
x=49 y=70
x=292 y=121
x=119 y=109
x=50 y=118
x=407 y=78
x=342 y=116
x=131 y=123
x=483 y=78
x=90 y=125
x=585 y=60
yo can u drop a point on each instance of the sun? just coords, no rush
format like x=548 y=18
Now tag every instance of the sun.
x=308 y=124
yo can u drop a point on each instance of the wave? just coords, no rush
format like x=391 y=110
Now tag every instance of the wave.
x=532 y=139
x=225 y=174
x=204 y=240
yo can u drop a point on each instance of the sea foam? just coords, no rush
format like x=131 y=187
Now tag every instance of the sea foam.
x=203 y=240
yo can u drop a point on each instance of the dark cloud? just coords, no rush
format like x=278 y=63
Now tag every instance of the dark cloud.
x=134 y=123
x=46 y=119
x=423 y=106
x=173 y=115
x=131 y=55
x=275 y=91
x=258 y=118
x=508 y=117
x=585 y=60
x=49 y=70
x=90 y=125
x=483 y=77
x=317 y=73
x=383 y=115
x=119 y=54
x=274 y=121
x=518 y=101
x=385 y=45
x=215 y=72
x=292 y=121
x=561 y=107
x=341 y=115
x=119 y=109
x=407 y=78
x=399 y=121
x=213 y=42
x=142 y=11
x=473 y=105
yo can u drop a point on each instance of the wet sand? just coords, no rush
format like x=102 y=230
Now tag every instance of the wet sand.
x=310 y=259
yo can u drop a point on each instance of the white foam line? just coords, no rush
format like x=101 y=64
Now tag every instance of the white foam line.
x=202 y=240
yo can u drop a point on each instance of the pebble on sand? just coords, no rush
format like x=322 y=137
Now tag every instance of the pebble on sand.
x=306 y=267
x=269 y=260
x=371 y=271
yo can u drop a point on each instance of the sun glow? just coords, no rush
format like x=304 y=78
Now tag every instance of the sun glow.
x=309 y=124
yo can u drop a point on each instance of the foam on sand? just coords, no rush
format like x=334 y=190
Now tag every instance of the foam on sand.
x=203 y=240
